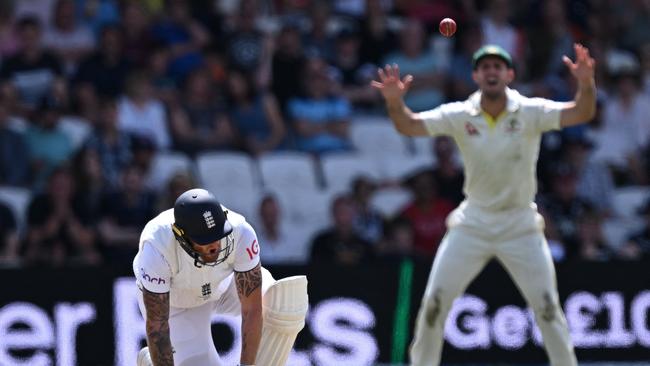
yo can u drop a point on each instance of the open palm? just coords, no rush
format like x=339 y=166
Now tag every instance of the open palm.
x=389 y=84
x=583 y=68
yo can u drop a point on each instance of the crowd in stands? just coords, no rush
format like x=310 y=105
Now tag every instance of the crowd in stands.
x=94 y=92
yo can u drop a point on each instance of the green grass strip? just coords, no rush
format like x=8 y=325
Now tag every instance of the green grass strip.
x=402 y=312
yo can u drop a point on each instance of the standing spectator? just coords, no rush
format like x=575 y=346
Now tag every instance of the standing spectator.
x=282 y=244
x=32 y=73
x=140 y=114
x=447 y=174
x=200 y=122
x=57 y=233
x=255 y=115
x=184 y=36
x=48 y=147
x=427 y=213
x=14 y=158
x=125 y=212
x=415 y=58
x=71 y=41
x=320 y=118
x=339 y=244
x=9 y=243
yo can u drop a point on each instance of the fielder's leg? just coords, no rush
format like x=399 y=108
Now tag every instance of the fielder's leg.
x=529 y=262
x=460 y=258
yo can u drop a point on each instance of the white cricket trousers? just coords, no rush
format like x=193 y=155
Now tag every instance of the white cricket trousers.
x=517 y=241
x=190 y=329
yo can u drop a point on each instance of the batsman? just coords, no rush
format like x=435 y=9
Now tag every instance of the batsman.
x=199 y=259
x=498 y=132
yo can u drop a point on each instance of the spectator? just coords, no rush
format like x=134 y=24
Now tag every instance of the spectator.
x=287 y=58
x=125 y=212
x=32 y=73
x=8 y=36
x=244 y=45
x=447 y=174
x=281 y=243
x=368 y=222
x=140 y=114
x=201 y=122
x=590 y=238
x=320 y=118
x=14 y=158
x=58 y=234
x=377 y=39
x=256 y=115
x=460 y=83
x=184 y=36
x=138 y=40
x=9 y=243
x=112 y=146
x=415 y=58
x=90 y=183
x=318 y=41
x=179 y=182
x=427 y=213
x=339 y=244
x=496 y=29
x=71 y=41
x=48 y=147
x=398 y=238
x=106 y=70
x=637 y=246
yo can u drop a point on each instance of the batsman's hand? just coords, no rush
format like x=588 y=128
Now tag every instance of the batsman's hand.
x=389 y=85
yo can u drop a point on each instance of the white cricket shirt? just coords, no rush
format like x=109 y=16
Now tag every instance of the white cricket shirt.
x=161 y=265
x=500 y=157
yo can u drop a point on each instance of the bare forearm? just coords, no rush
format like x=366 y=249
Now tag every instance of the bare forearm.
x=160 y=345
x=250 y=295
x=401 y=115
x=585 y=98
x=251 y=329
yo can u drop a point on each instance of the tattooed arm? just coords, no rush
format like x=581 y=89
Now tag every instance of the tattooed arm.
x=160 y=347
x=249 y=288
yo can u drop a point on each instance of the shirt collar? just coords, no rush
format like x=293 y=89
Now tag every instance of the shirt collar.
x=512 y=104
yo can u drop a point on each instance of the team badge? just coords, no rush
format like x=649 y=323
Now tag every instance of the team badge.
x=471 y=129
x=209 y=220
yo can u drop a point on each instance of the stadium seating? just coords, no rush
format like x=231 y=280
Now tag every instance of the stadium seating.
x=339 y=170
x=390 y=201
x=288 y=170
x=17 y=199
x=164 y=166
x=377 y=138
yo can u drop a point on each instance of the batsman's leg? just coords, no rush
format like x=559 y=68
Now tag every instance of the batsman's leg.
x=460 y=258
x=529 y=262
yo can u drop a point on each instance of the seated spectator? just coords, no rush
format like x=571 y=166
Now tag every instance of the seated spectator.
x=32 y=73
x=255 y=115
x=637 y=245
x=58 y=232
x=105 y=71
x=368 y=222
x=590 y=238
x=377 y=38
x=90 y=183
x=427 y=213
x=448 y=175
x=200 y=122
x=320 y=118
x=287 y=58
x=14 y=159
x=9 y=243
x=138 y=39
x=112 y=146
x=398 y=239
x=178 y=183
x=48 y=147
x=125 y=212
x=339 y=244
x=244 y=42
x=280 y=243
x=71 y=41
x=140 y=114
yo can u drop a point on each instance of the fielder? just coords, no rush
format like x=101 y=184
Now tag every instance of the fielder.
x=498 y=132
x=200 y=258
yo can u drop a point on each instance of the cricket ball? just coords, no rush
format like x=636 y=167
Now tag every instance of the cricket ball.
x=447 y=27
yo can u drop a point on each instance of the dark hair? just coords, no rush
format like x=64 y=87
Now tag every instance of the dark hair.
x=28 y=21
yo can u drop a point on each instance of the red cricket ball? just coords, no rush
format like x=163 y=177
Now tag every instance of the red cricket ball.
x=447 y=27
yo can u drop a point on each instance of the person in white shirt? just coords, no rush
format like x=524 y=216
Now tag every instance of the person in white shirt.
x=197 y=259
x=498 y=132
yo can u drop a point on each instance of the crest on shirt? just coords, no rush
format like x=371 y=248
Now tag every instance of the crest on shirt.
x=513 y=125
x=470 y=129
x=209 y=220
x=206 y=290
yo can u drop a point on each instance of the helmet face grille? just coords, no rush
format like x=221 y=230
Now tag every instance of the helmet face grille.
x=227 y=246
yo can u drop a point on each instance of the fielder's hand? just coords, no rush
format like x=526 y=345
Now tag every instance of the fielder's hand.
x=583 y=68
x=390 y=85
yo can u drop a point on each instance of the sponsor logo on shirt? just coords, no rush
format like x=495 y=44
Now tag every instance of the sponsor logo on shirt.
x=470 y=129
x=148 y=278
x=253 y=250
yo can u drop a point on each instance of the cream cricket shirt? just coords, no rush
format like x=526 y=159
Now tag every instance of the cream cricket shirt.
x=500 y=159
x=161 y=265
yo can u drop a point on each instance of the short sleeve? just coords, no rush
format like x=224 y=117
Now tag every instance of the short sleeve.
x=247 y=249
x=548 y=114
x=152 y=270
x=436 y=121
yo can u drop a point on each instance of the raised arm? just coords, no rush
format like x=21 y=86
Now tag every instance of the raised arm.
x=160 y=346
x=249 y=289
x=583 y=108
x=393 y=90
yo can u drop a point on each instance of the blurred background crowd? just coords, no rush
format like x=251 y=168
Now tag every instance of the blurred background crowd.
x=109 y=109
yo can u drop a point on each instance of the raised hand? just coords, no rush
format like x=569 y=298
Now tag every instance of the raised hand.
x=583 y=68
x=389 y=84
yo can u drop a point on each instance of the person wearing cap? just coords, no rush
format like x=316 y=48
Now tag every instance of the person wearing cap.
x=199 y=259
x=498 y=133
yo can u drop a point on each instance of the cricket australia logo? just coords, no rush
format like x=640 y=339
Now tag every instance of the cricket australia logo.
x=206 y=290
x=209 y=220
x=513 y=126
